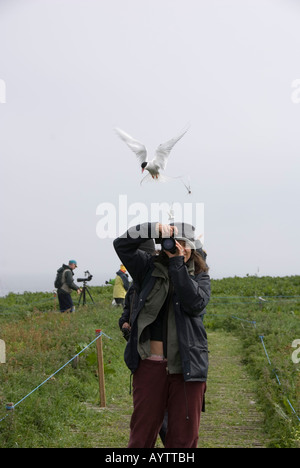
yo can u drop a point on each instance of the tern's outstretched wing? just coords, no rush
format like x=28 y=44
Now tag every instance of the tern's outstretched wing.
x=138 y=148
x=164 y=149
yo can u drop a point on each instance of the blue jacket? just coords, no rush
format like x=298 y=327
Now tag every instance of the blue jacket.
x=191 y=295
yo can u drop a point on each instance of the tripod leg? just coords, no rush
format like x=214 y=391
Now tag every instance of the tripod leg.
x=80 y=298
x=90 y=295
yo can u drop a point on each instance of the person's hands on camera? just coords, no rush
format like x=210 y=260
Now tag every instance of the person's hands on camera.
x=165 y=230
x=180 y=251
x=79 y=290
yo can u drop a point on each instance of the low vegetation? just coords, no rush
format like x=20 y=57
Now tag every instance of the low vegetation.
x=65 y=412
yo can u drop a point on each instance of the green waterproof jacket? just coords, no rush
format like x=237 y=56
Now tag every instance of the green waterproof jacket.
x=190 y=297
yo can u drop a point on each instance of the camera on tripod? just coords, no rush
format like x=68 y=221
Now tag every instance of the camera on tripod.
x=87 y=278
x=85 y=289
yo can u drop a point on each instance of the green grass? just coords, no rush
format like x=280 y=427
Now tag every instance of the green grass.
x=65 y=411
x=233 y=416
x=58 y=414
x=278 y=321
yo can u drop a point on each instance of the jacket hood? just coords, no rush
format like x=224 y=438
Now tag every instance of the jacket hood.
x=64 y=267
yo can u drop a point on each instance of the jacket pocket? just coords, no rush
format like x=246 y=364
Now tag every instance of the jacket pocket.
x=196 y=367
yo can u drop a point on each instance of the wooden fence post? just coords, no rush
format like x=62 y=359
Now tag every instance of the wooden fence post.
x=2 y=352
x=100 y=370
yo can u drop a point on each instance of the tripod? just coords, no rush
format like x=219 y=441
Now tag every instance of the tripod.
x=83 y=294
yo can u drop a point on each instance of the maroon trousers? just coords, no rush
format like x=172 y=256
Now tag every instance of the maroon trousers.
x=155 y=392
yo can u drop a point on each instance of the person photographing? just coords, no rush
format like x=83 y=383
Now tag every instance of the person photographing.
x=167 y=349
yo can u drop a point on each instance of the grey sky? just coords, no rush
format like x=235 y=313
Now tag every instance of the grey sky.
x=75 y=69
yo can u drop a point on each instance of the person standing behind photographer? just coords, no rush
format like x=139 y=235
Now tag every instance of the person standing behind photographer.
x=167 y=349
x=65 y=285
x=121 y=286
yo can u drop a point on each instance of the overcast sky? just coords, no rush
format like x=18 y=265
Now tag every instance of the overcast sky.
x=75 y=69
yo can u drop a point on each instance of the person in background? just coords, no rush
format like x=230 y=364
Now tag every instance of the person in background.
x=65 y=285
x=121 y=286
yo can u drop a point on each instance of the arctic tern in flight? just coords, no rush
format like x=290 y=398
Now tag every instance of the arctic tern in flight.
x=159 y=162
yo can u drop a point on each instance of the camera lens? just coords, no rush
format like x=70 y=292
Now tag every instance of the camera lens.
x=169 y=245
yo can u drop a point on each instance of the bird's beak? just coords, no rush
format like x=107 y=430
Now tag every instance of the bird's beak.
x=142 y=170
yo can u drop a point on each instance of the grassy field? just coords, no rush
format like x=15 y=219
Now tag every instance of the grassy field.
x=65 y=411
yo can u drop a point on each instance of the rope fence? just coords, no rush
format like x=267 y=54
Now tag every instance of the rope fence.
x=261 y=337
x=215 y=301
x=12 y=407
x=277 y=378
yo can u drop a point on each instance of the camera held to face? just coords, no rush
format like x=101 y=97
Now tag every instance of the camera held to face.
x=169 y=244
